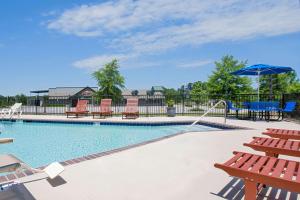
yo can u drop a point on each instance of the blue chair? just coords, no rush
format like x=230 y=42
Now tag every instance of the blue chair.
x=289 y=107
x=263 y=109
x=230 y=106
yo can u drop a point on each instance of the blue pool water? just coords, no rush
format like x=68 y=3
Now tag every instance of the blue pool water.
x=39 y=144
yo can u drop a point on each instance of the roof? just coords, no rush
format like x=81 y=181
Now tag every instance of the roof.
x=67 y=91
x=39 y=91
x=158 y=88
x=129 y=92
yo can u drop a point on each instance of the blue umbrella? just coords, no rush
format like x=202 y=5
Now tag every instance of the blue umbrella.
x=262 y=69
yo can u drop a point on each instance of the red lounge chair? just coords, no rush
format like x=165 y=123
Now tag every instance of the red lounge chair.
x=283 y=133
x=105 y=108
x=81 y=109
x=258 y=170
x=131 y=109
x=274 y=147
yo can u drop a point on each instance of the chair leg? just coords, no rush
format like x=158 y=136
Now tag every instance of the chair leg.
x=250 y=190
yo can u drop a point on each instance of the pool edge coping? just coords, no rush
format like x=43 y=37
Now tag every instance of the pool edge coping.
x=16 y=175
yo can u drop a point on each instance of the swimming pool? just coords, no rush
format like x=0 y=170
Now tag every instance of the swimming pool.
x=38 y=143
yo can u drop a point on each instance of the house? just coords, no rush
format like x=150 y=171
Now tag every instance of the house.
x=64 y=95
x=154 y=96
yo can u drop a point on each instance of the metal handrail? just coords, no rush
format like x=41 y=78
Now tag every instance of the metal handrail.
x=225 y=113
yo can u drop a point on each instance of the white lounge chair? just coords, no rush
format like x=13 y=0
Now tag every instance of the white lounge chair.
x=10 y=163
x=10 y=112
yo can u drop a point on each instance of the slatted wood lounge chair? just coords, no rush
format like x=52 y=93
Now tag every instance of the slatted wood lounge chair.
x=131 y=109
x=81 y=109
x=274 y=146
x=257 y=171
x=105 y=108
x=283 y=133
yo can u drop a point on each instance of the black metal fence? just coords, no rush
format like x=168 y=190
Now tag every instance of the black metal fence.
x=153 y=105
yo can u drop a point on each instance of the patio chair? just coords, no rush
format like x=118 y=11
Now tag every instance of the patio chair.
x=105 y=108
x=81 y=109
x=258 y=171
x=13 y=110
x=289 y=107
x=274 y=146
x=230 y=107
x=10 y=163
x=283 y=133
x=131 y=109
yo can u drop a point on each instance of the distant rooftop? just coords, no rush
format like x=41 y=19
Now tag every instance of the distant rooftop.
x=67 y=91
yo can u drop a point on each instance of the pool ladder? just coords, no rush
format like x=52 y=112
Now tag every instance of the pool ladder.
x=209 y=110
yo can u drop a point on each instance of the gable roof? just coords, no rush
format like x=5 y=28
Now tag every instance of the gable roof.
x=158 y=88
x=67 y=91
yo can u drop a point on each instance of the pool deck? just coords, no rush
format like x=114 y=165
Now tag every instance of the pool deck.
x=179 y=167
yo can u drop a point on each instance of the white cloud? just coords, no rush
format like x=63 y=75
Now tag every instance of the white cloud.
x=97 y=62
x=151 y=26
x=194 y=64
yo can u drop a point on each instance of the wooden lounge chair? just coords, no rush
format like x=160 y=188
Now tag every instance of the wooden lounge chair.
x=131 y=109
x=274 y=146
x=257 y=171
x=81 y=109
x=283 y=133
x=105 y=108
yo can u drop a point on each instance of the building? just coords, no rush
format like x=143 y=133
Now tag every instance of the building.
x=154 y=96
x=69 y=96
x=62 y=95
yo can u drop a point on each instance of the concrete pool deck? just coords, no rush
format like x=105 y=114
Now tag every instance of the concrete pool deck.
x=180 y=167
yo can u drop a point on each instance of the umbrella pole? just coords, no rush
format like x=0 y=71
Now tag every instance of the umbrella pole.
x=258 y=86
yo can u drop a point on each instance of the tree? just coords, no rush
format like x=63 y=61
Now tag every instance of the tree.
x=279 y=83
x=134 y=92
x=110 y=81
x=294 y=88
x=223 y=83
x=21 y=99
x=171 y=94
x=198 y=92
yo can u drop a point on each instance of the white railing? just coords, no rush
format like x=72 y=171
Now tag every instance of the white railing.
x=209 y=110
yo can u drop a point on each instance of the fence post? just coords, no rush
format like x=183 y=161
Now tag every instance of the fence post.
x=183 y=106
x=147 y=102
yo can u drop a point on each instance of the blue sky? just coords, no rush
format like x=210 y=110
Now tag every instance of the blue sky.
x=53 y=43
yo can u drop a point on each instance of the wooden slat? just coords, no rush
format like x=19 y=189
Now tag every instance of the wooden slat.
x=295 y=145
x=262 y=141
x=269 y=166
x=250 y=162
x=256 y=140
x=233 y=159
x=259 y=164
x=274 y=142
x=287 y=144
x=242 y=161
x=298 y=173
x=279 y=168
x=281 y=144
x=290 y=170
x=267 y=142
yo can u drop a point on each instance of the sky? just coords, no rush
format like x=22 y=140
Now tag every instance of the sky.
x=54 y=43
